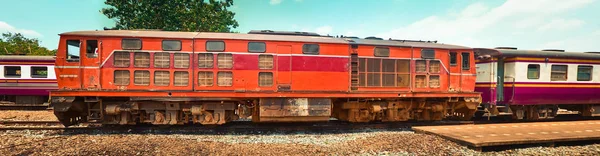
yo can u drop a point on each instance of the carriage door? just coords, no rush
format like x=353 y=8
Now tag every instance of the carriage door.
x=90 y=63
x=284 y=67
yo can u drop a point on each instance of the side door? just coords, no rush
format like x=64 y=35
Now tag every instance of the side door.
x=90 y=63
x=455 y=72
x=284 y=67
x=68 y=63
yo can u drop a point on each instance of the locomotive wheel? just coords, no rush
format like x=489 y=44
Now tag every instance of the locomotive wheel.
x=69 y=118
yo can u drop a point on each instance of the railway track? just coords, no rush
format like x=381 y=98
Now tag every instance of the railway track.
x=5 y=106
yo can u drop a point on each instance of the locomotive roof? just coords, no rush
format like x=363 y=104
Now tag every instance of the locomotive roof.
x=205 y=35
x=407 y=43
x=26 y=58
x=534 y=53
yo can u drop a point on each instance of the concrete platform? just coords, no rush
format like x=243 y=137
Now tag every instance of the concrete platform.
x=516 y=133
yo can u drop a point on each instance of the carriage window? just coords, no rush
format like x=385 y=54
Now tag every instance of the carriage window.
x=559 y=73
x=39 y=72
x=121 y=59
x=453 y=59
x=205 y=78
x=205 y=60
x=257 y=47
x=265 y=61
x=428 y=54
x=225 y=60
x=215 y=46
x=225 y=79
x=12 y=71
x=265 y=79
x=310 y=49
x=121 y=77
x=465 y=61
x=382 y=52
x=131 y=44
x=162 y=78
x=91 y=48
x=533 y=71
x=141 y=59
x=73 y=50
x=162 y=60
x=182 y=60
x=141 y=77
x=181 y=78
x=584 y=73
x=171 y=45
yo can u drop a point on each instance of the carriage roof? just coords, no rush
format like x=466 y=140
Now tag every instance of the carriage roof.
x=534 y=53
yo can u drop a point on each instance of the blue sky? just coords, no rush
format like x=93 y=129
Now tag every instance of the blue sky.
x=573 y=25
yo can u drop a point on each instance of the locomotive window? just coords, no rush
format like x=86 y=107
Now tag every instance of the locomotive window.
x=181 y=78
x=362 y=69
x=91 y=48
x=162 y=60
x=265 y=61
x=428 y=54
x=265 y=79
x=420 y=81
x=434 y=66
x=453 y=58
x=403 y=70
x=121 y=77
x=12 y=71
x=584 y=73
x=205 y=60
x=162 y=78
x=310 y=49
x=181 y=60
x=171 y=45
x=141 y=59
x=131 y=44
x=558 y=73
x=205 y=78
x=73 y=50
x=225 y=60
x=533 y=71
x=257 y=47
x=465 y=61
x=421 y=66
x=382 y=52
x=215 y=46
x=121 y=59
x=39 y=72
x=434 y=81
x=225 y=79
x=141 y=77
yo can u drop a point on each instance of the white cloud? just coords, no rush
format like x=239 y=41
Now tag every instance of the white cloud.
x=5 y=27
x=324 y=30
x=561 y=24
x=478 y=25
x=275 y=2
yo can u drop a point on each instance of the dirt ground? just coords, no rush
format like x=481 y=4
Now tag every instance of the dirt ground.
x=19 y=115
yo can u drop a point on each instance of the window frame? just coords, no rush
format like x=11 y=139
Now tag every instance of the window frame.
x=538 y=71
x=375 y=52
x=260 y=84
x=425 y=51
x=264 y=48
x=115 y=77
x=309 y=52
x=136 y=83
x=13 y=76
x=566 y=72
x=209 y=41
x=212 y=78
x=31 y=73
x=185 y=65
x=67 y=57
x=136 y=63
x=137 y=39
x=154 y=60
x=453 y=58
x=162 y=45
x=115 y=59
x=224 y=72
x=168 y=77
x=466 y=63
x=93 y=53
x=225 y=66
x=591 y=72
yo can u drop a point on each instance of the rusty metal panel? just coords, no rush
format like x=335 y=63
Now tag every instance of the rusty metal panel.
x=295 y=107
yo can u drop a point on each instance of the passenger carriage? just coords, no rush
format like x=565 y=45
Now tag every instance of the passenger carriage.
x=159 y=77
x=530 y=84
x=26 y=80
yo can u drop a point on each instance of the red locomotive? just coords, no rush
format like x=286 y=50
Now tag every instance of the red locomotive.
x=160 y=77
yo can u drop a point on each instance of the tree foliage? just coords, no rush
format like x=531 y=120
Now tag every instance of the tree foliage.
x=172 y=15
x=17 y=44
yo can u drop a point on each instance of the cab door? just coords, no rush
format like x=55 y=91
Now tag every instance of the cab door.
x=90 y=63
x=284 y=67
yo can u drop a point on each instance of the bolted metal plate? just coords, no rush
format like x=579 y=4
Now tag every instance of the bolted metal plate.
x=294 y=107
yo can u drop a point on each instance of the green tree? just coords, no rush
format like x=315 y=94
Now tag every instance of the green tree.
x=17 y=44
x=172 y=15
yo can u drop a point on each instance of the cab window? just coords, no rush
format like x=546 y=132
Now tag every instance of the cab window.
x=73 y=47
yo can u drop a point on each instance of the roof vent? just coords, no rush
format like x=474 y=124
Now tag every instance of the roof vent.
x=554 y=50
x=373 y=38
x=271 y=32
x=511 y=48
